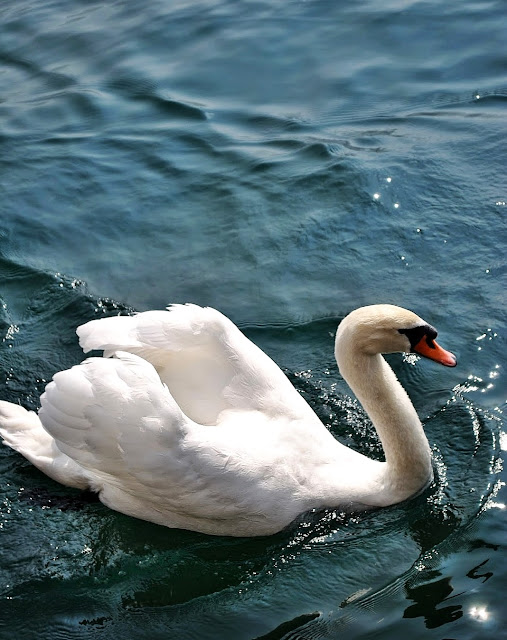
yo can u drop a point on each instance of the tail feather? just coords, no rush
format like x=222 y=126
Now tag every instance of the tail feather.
x=23 y=431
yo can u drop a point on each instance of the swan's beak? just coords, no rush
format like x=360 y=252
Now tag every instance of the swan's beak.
x=430 y=349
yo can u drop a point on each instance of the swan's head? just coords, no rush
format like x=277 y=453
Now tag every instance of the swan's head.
x=385 y=328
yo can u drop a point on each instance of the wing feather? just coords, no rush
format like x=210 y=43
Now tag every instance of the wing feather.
x=209 y=365
x=105 y=411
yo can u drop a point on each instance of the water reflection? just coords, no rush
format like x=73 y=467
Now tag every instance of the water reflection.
x=434 y=597
x=427 y=597
x=435 y=591
x=474 y=574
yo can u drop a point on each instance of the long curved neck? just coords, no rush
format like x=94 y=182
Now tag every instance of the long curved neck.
x=406 y=449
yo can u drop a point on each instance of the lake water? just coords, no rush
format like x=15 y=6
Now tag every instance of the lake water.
x=284 y=162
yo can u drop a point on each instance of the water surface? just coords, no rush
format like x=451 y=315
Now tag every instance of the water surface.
x=285 y=163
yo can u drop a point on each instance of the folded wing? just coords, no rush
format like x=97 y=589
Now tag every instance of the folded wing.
x=113 y=416
x=207 y=363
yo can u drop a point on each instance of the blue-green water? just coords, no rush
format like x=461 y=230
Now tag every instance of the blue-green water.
x=284 y=162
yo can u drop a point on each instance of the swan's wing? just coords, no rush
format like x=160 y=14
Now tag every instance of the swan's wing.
x=205 y=360
x=114 y=417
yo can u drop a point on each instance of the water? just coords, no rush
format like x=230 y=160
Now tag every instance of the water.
x=285 y=163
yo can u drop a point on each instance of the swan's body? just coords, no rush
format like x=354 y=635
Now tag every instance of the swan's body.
x=190 y=425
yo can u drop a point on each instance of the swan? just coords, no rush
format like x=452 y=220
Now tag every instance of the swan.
x=186 y=423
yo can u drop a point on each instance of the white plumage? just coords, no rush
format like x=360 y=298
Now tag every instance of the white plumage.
x=186 y=423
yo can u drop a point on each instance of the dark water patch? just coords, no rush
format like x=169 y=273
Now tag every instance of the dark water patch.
x=318 y=151
x=151 y=157
x=99 y=622
x=139 y=88
x=45 y=499
x=51 y=79
x=55 y=106
x=66 y=137
x=198 y=143
x=267 y=123
x=30 y=352
x=134 y=87
x=161 y=593
x=178 y=109
x=474 y=104
x=286 y=144
x=286 y=628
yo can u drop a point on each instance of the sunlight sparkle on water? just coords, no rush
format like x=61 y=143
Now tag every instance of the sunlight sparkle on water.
x=495 y=505
x=480 y=613
x=411 y=358
x=495 y=373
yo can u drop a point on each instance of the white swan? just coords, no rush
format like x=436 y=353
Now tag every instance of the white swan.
x=190 y=425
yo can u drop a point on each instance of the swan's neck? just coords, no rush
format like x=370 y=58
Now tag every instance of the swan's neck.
x=408 y=458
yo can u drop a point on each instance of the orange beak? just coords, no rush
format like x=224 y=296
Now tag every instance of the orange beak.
x=430 y=349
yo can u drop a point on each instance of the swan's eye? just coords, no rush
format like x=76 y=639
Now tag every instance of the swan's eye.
x=431 y=333
x=416 y=334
